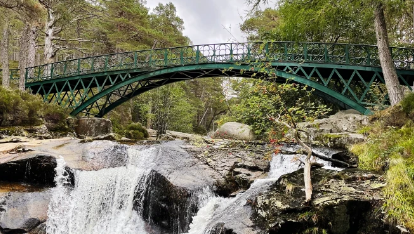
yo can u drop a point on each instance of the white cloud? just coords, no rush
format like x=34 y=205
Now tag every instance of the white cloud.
x=209 y=21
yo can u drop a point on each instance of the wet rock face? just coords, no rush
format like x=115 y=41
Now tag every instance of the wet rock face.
x=105 y=154
x=92 y=127
x=23 y=212
x=343 y=202
x=221 y=229
x=166 y=207
x=36 y=170
x=237 y=165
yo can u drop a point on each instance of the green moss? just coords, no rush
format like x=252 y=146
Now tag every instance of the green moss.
x=407 y=103
x=390 y=149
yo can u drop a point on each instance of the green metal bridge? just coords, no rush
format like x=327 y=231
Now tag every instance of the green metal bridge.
x=345 y=74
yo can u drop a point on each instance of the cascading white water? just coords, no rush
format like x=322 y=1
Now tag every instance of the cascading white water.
x=218 y=209
x=102 y=202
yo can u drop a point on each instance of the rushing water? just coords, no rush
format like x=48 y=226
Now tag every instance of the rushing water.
x=101 y=202
x=233 y=210
x=105 y=201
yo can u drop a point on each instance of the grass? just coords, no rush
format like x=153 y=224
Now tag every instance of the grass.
x=390 y=150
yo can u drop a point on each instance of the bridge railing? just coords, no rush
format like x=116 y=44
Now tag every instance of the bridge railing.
x=307 y=52
x=13 y=74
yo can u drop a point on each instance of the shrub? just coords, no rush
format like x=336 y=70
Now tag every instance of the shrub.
x=19 y=108
x=137 y=127
x=134 y=134
x=55 y=118
x=407 y=104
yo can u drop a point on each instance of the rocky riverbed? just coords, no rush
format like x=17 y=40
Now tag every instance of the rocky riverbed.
x=195 y=186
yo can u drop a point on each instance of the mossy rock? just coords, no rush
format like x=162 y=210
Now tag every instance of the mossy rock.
x=338 y=140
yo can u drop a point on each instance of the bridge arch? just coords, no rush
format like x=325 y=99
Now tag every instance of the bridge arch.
x=165 y=76
x=346 y=74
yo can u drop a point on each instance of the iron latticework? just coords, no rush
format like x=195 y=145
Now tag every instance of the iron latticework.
x=349 y=75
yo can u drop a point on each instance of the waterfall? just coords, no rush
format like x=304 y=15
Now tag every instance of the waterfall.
x=101 y=202
x=225 y=210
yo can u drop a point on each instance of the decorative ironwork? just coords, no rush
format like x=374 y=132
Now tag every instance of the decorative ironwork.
x=14 y=75
x=349 y=75
x=309 y=52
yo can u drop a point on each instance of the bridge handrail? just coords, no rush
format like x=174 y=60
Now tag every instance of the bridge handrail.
x=13 y=74
x=285 y=51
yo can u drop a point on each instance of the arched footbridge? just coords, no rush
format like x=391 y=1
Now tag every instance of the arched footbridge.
x=345 y=74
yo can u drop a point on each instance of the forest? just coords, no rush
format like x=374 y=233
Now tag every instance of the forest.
x=37 y=32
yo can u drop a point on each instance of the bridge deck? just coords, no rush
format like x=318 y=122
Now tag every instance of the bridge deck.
x=346 y=74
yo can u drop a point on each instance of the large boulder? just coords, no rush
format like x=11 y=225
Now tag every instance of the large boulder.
x=337 y=131
x=23 y=212
x=38 y=170
x=343 y=202
x=92 y=127
x=235 y=131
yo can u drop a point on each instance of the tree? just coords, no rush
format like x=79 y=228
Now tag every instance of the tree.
x=392 y=83
x=4 y=53
x=319 y=21
x=60 y=16
x=345 y=11
x=167 y=26
x=29 y=12
x=283 y=114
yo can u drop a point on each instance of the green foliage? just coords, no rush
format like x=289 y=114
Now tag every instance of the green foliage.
x=322 y=21
x=390 y=149
x=135 y=131
x=55 y=118
x=23 y=109
x=260 y=100
x=407 y=103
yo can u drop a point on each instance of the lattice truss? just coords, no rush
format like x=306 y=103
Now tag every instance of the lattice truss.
x=95 y=85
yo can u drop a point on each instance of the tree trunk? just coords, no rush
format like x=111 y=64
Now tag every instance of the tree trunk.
x=23 y=44
x=149 y=115
x=27 y=53
x=50 y=52
x=307 y=169
x=31 y=50
x=395 y=92
x=5 y=54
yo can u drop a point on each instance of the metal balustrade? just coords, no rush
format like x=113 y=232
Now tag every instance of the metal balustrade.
x=306 y=52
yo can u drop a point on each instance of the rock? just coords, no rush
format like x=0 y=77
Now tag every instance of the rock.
x=337 y=131
x=338 y=140
x=36 y=170
x=238 y=164
x=344 y=202
x=39 y=132
x=24 y=212
x=107 y=137
x=163 y=204
x=105 y=154
x=220 y=228
x=41 y=229
x=13 y=131
x=93 y=127
x=236 y=131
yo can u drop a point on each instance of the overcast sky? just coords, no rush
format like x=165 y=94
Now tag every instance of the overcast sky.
x=209 y=21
